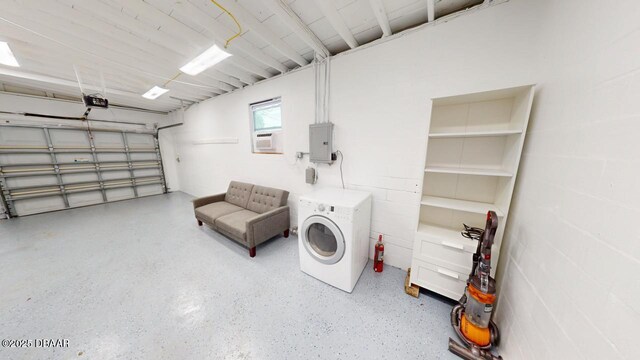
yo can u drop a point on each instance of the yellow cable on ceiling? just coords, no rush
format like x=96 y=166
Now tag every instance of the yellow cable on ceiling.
x=225 y=45
x=170 y=80
x=234 y=19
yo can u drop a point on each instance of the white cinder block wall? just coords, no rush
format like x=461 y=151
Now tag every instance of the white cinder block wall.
x=568 y=283
x=570 y=286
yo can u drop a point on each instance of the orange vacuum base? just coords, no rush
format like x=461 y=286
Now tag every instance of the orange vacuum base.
x=477 y=335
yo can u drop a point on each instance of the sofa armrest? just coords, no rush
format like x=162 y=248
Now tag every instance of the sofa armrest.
x=267 y=225
x=207 y=200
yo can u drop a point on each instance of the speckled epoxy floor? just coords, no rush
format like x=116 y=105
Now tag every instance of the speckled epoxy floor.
x=140 y=280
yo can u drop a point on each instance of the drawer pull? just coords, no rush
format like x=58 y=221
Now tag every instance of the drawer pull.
x=453 y=245
x=448 y=273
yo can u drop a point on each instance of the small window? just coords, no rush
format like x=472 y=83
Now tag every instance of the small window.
x=266 y=115
x=266 y=126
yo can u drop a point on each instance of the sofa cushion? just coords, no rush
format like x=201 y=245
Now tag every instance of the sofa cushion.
x=210 y=212
x=263 y=199
x=238 y=193
x=236 y=223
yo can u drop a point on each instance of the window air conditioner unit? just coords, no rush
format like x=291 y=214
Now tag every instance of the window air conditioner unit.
x=264 y=141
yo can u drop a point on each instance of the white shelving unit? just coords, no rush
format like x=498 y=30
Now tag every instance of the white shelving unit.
x=473 y=151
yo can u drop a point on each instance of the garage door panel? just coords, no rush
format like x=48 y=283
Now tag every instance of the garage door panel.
x=104 y=139
x=23 y=137
x=140 y=140
x=39 y=205
x=85 y=198
x=120 y=194
x=11 y=159
x=149 y=190
x=112 y=157
x=111 y=175
x=29 y=179
x=69 y=138
x=79 y=177
x=144 y=156
x=74 y=157
x=146 y=172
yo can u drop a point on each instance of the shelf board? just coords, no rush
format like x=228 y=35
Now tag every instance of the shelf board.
x=444 y=233
x=475 y=134
x=467 y=171
x=460 y=205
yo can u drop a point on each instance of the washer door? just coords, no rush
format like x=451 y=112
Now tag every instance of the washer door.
x=323 y=239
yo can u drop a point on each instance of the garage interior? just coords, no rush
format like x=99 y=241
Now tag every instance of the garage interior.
x=297 y=179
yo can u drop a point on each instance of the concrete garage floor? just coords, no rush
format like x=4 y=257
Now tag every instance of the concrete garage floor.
x=140 y=280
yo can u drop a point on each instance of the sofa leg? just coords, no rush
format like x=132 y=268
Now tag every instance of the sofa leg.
x=286 y=233
x=252 y=251
x=199 y=223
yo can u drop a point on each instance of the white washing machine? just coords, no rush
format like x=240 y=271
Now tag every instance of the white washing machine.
x=333 y=235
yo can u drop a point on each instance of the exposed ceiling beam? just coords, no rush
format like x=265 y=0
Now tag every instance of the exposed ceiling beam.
x=67 y=74
x=71 y=84
x=329 y=10
x=232 y=70
x=160 y=44
x=431 y=10
x=246 y=18
x=178 y=89
x=148 y=11
x=98 y=51
x=381 y=16
x=220 y=33
x=291 y=19
x=58 y=62
x=217 y=74
x=59 y=92
x=47 y=61
x=51 y=48
x=125 y=40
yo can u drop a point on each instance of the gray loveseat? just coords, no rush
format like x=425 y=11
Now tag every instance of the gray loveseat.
x=247 y=213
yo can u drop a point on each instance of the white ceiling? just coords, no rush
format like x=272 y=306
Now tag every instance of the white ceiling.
x=132 y=45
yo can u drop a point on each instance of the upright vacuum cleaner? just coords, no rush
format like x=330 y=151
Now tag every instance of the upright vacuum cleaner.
x=471 y=317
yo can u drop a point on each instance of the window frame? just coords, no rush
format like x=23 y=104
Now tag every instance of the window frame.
x=265 y=104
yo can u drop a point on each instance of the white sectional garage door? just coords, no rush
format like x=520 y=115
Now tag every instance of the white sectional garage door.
x=51 y=168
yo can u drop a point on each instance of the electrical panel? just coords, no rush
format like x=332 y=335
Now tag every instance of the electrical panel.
x=321 y=143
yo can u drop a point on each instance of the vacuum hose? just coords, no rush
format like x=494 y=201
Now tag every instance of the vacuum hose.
x=454 y=315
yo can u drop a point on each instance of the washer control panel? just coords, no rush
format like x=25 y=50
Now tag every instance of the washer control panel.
x=334 y=212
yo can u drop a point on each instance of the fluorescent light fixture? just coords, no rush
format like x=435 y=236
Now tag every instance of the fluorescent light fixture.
x=6 y=56
x=207 y=59
x=154 y=93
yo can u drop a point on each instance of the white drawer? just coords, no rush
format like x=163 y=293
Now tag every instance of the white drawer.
x=446 y=237
x=442 y=247
x=443 y=255
x=438 y=279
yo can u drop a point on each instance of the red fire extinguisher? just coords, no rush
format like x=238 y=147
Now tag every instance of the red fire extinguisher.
x=379 y=254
